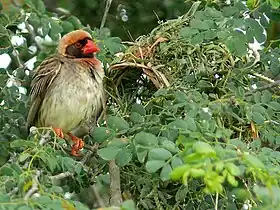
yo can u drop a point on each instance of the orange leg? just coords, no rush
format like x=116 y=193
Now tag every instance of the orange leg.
x=78 y=144
x=58 y=132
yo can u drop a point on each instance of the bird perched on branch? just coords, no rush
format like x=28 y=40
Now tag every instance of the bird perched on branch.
x=67 y=88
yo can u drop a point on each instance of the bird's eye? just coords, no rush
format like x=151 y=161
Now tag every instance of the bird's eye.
x=78 y=44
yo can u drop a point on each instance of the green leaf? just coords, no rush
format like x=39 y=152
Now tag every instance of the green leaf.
x=101 y=134
x=34 y=20
x=176 y=162
x=113 y=44
x=45 y=26
x=108 y=153
x=22 y=143
x=6 y=170
x=124 y=157
x=136 y=117
x=197 y=172
x=179 y=124
x=182 y=193
x=230 y=11
x=253 y=161
x=165 y=172
x=197 y=39
x=233 y=169
x=274 y=105
x=275 y=4
x=198 y=24
x=117 y=123
x=159 y=154
x=251 y=3
x=231 y=179
x=191 y=124
x=266 y=96
x=236 y=43
x=188 y=32
x=75 y=22
x=170 y=146
x=67 y=26
x=39 y=5
x=154 y=165
x=210 y=35
x=128 y=205
x=178 y=172
x=138 y=108
x=146 y=139
x=204 y=148
x=67 y=163
x=24 y=156
x=43 y=199
x=55 y=29
x=141 y=154
x=258 y=117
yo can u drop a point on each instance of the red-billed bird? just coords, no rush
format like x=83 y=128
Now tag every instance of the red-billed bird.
x=67 y=88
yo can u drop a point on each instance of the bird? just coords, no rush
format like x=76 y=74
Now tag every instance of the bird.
x=66 y=90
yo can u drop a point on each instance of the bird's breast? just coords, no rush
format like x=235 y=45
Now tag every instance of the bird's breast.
x=73 y=98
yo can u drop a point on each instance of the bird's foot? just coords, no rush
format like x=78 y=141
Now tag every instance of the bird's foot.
x=58 y=132
x=77 y=146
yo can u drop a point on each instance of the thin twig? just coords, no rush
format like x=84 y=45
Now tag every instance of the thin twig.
x=115 y=188
x=216 y=201
x=34 y=187
x=44 y=138
x=276 y=83
x=61 y=176
x=108 y=5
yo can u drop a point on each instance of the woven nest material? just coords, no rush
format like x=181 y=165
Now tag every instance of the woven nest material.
x=167 y=59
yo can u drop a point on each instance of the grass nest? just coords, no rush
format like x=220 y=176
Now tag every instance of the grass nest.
x=164 y=58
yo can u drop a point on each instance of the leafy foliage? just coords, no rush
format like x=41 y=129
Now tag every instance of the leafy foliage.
x=184 y=123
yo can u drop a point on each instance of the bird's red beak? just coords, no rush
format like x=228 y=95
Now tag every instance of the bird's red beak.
x=90 y=47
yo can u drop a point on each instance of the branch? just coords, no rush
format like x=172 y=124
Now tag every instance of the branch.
x=61 y=176
x=271 y=85
x=34 y=187
x=108 y=5
x=115 y=188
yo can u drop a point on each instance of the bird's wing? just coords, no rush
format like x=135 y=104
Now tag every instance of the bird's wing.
x=43 y=78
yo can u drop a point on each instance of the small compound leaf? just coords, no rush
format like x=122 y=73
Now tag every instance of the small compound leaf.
x=153 y=165
x=165 y=172
x=139 y=108
x=108 y=153
x=117 y=123
x=159 y=154
x=178 y=172
x=233 y=169
x=204 y=148
x=22 y=143
x=146 y=139
x=124 y=157
x=254 y=161
x=101 y=134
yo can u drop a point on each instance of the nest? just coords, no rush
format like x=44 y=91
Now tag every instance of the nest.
x=163 y=59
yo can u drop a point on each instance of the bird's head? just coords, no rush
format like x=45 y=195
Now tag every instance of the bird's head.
x=77 y=44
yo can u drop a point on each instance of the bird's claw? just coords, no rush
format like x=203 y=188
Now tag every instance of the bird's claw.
x=77 y=146
x=58 y=132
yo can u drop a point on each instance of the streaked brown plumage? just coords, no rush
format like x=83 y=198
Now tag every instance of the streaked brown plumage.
x=67 y=88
